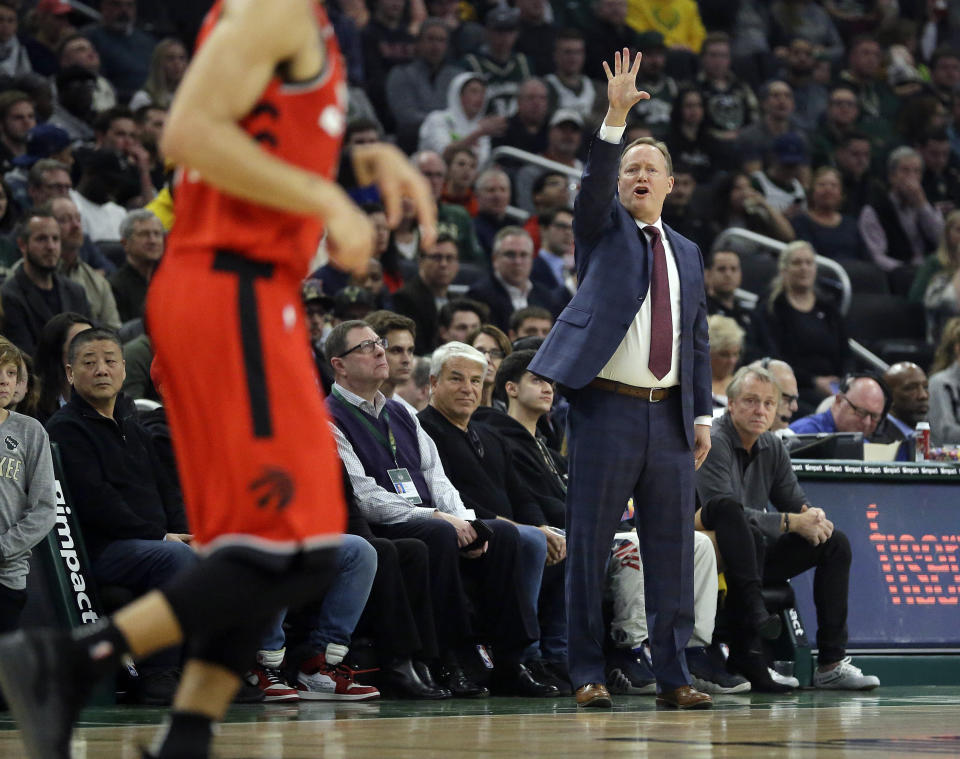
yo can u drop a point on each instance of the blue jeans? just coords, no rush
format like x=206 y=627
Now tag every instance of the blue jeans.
x=530 y=563
x=342 y=605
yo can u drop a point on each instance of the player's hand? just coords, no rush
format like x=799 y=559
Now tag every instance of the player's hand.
x=393 y=174
x=350 y=236
x=701 y=444
x=622 y=92
x=556 y=546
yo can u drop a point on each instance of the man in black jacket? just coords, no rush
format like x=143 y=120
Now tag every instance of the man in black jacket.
x=421 y=297
x=36 y=293
x=129 y=510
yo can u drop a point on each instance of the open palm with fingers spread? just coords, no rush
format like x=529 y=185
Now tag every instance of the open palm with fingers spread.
x=622 y=92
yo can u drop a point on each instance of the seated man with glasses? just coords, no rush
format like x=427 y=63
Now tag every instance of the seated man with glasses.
x=747 y=468
x=422 y=297
x=858 y=407
x=509 y=287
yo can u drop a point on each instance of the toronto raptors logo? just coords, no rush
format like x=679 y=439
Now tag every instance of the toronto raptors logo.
x=274 y=488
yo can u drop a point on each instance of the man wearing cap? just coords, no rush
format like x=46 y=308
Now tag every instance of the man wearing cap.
x=352 y=303
x=52 y=24
x=43 y=141
x=527 y=128
x=655 y=112
x=73 y=111
x=564 y=139
x=317 y=306
x=498 y=60
x=631 y=353
x=779 y=182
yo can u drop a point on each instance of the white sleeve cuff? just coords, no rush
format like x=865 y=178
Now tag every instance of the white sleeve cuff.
x=612 y=133
x=706 y=421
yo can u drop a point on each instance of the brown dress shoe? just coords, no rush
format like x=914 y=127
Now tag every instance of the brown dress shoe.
x=595 y=695
x=685 y=697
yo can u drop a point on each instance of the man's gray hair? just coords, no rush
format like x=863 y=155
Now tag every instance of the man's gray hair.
x=736 y=384
x=492 y=171
x=510 y=231
x=451 y=350
x=41 y=167
x=134 y=217
x=899 y=154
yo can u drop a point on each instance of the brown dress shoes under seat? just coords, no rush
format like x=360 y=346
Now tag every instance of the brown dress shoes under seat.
x=684 y=697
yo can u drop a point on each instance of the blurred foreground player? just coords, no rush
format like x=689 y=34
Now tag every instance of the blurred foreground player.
x=257 y=124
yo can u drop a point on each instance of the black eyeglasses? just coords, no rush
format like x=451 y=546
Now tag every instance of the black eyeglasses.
x=789 y=399
x=366 y=347
x=492 y=352
x=862 y=413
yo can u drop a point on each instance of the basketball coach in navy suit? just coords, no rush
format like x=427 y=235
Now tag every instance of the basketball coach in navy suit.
x=631 y=352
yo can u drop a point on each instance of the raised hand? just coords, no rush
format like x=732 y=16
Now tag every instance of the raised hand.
x=622 y=92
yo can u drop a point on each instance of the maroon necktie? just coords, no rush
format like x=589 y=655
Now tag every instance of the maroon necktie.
x=661 y=319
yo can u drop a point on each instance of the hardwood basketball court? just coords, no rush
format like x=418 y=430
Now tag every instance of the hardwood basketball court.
x=892 y=721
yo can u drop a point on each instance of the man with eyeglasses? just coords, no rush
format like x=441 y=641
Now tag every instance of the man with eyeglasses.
x=858 y=408
x=509 y=288
x=747 y=468
x=398 y=334
x=554 y=259
x=422 y=297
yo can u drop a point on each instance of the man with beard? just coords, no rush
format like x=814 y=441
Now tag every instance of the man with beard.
x=125 y=51
x=36 y=293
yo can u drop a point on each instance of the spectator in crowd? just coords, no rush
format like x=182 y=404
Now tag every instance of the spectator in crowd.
x=74 y=111
x=564 y=139
x=421 y=297
x=77 y=50
x=150 y=120
x=901 y=227
x=461 y=176
x=27 y=498
x=466 y=35
x=607 y=29
x=823 y=225
x=9 y=215
x=371 y=280
x=384 y=249
x=787 y=162
x=652 y=78
x=810 y=97
x=130 y=512
x=509 y=287
x=748 y=468
x=44 y=141
x=167 y=66
x=852 y=159
x=36 y=292
x=351 y=303
x=138 y=353
x=317 y=308
x=51 y=361
x=864 y=73
x=786 y=383
x=50 y=25
x=776 y=119
x=103 y=175
x=550 y=191
x=532 y=321
x=556 y=249
x=802 y=327
x=527 y=127
x=419 y=87
x=945 y=73
x=14 y=60
x=691 y=143
x=388 y=41
x=103 y=305
x=941 y=296
x=858 y=406
x=722 y=276
x=493 y=197
x=463 y=122
x=499 y=61
x=451 y=217
x=537 y=33
x=842 y=115
x=729 y=103
x=738 y=204
x=47 y=179
x=17 y=118
x=677 y=21
x=726 y=346
x=495 y=346
x=416 y=390
x=125 y=50
x=460 y=317
x=116 y=131
x=909 y=401
x=143 y=241
x=941 y=170
x=682 y=208
x=26 y=393
x=570 y=88
x=808 y=19
x=398 y=334
x=432 y=512
x=477 y=462
x=944 y=413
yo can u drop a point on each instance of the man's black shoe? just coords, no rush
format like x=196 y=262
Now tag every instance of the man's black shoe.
x=45 y=689
x=545 y=673
x=456 y=681
x=517 y=680
x=426 y=674
x=753 y=667
x=767 y=625
x=402 y=679
x=156 y=687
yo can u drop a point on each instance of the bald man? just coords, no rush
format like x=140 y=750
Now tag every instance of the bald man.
x=859 y=408
x=910 y=402
x=786 y=382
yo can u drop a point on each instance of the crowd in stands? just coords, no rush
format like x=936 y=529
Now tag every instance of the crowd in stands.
x=831 y=128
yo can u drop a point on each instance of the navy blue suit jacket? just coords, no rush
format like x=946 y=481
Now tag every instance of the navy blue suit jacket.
x=613 y=270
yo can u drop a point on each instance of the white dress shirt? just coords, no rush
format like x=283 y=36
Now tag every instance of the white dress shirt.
x=629 y=363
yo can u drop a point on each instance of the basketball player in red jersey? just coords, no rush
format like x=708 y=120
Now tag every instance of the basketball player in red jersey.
x=256 y=127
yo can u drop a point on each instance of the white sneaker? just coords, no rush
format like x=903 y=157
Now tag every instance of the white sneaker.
x=319 y=681
x=844 y=676
x=789 y=681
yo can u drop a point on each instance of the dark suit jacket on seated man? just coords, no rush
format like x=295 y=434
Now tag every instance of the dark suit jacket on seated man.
x=632 y=346
x=403 y=492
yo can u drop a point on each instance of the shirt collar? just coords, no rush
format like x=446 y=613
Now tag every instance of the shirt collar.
x=373 y=409
x=727 y=421
x=512 y=291
x=658 y=224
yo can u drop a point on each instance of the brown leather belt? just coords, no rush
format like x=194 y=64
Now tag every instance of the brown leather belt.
x=652 y=394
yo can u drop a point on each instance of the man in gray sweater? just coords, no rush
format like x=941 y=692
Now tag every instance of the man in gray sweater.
x=27 y=500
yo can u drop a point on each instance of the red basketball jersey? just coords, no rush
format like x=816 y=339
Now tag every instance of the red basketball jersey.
x=299 y=122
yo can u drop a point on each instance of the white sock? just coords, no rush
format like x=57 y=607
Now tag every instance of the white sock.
x=271 y=659
x=335 y=653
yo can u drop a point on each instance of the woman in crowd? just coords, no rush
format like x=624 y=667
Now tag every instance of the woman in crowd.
x=822 y=225
x=167 y=67
x=942 y=296
x=495 y=345
x=804 y=328
x=944 y=413
x=738 y=204
x=946 y=257
x=52 y=361
x=385 y=249
x=688 y=140
x=726 y=345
